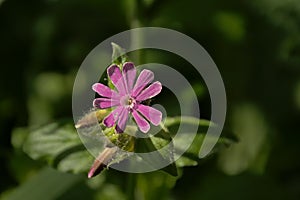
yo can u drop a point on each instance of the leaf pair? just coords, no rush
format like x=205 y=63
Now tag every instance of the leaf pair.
x=60 y=146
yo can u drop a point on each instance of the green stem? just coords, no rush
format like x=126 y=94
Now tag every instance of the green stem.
x=134 y=22
x=132 y=10
x=131 y=184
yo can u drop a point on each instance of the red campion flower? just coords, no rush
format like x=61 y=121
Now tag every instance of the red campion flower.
x=129 y=97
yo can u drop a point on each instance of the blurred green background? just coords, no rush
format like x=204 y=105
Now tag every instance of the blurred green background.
x=255 y=44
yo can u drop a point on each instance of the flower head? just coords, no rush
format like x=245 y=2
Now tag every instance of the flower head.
x=129 y=97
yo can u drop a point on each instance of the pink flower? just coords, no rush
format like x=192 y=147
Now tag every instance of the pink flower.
x=128 y=98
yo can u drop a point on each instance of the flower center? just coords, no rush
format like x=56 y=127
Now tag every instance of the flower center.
x=128 y=102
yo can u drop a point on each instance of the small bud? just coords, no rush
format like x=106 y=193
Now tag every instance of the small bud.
x=100 y=162
x=91 y=118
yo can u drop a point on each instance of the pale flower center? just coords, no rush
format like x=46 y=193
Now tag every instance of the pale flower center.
x=128 y=102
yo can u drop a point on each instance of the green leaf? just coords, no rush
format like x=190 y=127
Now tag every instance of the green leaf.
x=18 y=137
x=155 y=143
x=170 y=121
x=155 y=185
x=76 y=162
x=118 y=56
x=159 y=141
x=48 y=184
x=190 y=156
x=59 y=145
x=184 y=161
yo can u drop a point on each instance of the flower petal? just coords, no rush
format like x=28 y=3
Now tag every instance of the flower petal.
x=145 y=77
x=143 y=125
x=115 y=75
x=105 y=91
x=129 y=74
x=151 y=114
x=112 y=118
x=123 y=117
x=105 y=103
x=151 y=91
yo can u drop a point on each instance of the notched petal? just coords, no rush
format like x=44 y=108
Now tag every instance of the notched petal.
x=144 y=79
x=129 y=73
x=143 y=125
x=151 y=114
x=105 y=91
x=115 y=75
x=111 y=119
x=102 y=103
x=123 y=118
x=151 y=91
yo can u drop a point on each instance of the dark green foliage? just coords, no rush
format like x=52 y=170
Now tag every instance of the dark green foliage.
x=255 y=45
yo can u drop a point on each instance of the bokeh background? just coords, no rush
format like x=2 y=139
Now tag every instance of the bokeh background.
x=255 y=44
